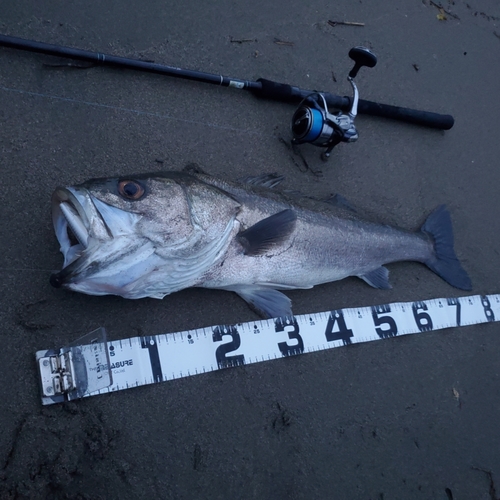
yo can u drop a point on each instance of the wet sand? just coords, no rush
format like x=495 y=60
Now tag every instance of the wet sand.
x=413 y=417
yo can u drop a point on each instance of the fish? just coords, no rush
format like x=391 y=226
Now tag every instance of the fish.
x=150 y=235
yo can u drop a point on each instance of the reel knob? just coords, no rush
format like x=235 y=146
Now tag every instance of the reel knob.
x=362 y=57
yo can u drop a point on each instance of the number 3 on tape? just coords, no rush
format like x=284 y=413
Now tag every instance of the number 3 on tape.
x=92 y=365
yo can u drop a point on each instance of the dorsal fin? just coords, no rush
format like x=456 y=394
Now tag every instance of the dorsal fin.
x=266 y=180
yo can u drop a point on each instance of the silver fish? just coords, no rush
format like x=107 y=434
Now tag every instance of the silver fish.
x=154 y=234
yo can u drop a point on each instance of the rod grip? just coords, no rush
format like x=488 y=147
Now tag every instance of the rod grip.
x=415 y=116
x=268 y=89
x=275 y=91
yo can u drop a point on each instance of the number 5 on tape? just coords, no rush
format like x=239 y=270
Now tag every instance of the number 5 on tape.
x=92 y=365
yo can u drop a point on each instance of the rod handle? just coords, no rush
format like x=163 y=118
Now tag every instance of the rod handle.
x=415 y=116
x=284 y=92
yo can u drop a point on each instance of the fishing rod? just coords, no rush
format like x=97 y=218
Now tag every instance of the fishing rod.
x=312 y=122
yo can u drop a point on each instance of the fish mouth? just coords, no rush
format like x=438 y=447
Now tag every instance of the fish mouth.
x=71 y=224
x=92 y=235
x=76 y=222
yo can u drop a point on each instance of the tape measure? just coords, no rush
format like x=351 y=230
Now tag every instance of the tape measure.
x=92 y=365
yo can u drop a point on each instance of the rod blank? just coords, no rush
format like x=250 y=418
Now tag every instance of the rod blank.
x=263 y=88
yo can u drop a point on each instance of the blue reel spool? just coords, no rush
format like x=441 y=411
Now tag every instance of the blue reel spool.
x=307 y=124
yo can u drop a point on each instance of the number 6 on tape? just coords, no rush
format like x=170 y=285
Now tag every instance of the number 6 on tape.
x=92 y=365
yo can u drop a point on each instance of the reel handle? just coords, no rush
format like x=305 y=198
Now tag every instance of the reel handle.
x=362 y=57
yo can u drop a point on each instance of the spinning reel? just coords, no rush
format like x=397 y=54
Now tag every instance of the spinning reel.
x=313 y=123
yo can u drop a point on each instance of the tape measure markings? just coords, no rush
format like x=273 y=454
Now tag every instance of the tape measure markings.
x=179 y=366
x=152 y=359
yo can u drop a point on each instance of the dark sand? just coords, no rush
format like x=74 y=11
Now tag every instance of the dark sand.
x=378 y=421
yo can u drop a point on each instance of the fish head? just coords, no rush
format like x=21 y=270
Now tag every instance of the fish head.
x=125 y=235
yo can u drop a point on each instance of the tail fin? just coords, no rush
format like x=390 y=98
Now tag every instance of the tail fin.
x=444 y=261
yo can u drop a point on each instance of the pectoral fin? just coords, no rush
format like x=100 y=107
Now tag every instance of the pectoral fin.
x=268 y=232
x=378 y=278
x=267 y=302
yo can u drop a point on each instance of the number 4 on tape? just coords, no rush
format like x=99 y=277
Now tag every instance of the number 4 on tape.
x=92 y=365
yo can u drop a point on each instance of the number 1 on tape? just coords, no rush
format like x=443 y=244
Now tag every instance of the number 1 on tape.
x=92 y=365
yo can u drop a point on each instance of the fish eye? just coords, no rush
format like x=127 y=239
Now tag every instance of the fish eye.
x=131 y=190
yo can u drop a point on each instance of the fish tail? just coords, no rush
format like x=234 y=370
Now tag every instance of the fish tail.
x=444 y=262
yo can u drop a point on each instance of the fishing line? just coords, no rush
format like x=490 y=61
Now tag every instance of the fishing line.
x=129 y=110
x=92 y=365
x=11 y=269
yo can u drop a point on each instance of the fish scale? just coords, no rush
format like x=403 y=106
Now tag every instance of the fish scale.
x=241 y=237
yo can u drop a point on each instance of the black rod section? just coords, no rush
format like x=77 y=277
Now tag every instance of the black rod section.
x=121 y=62
x=262 y=88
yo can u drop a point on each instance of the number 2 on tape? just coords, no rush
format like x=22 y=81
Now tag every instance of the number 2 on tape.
x=221 y=354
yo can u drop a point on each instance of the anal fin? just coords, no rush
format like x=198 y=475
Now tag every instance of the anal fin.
x=378 y=278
